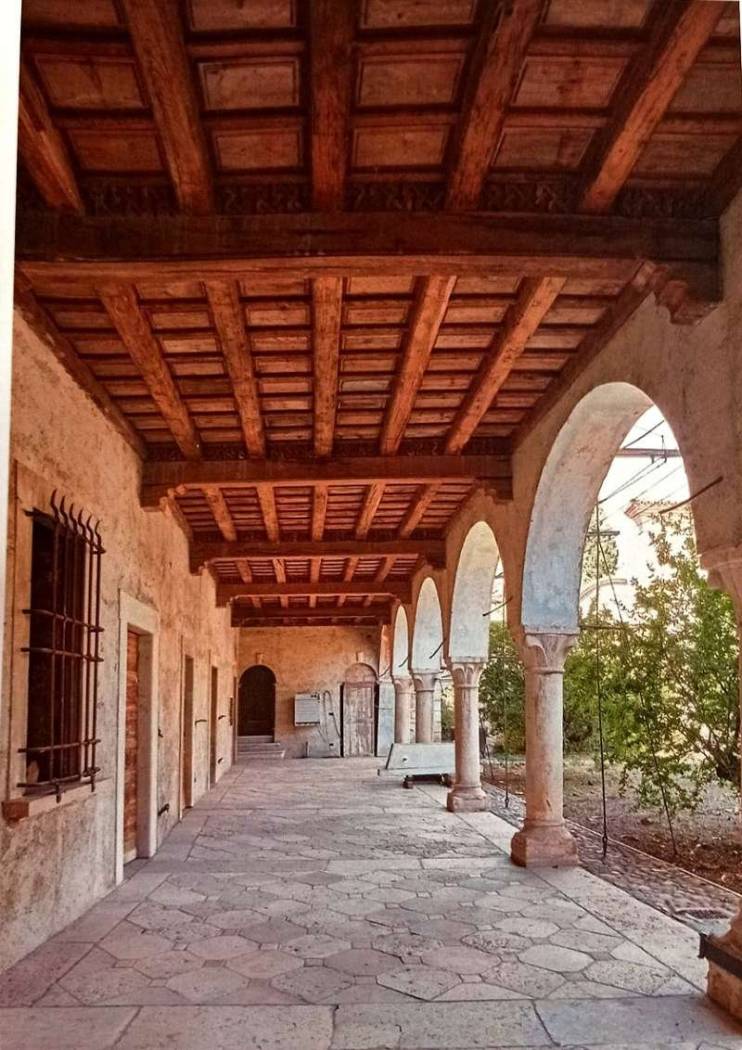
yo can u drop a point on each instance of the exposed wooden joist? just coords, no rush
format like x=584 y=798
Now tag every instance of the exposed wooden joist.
x=229 y=320
x=348 y=573
x=82 y=251
x=163 y=477
x=630 y=300
x=386 y=567
x=203 y=553
x=681 y=29
x=243 y=567
x=374 y=496
x=431 y=302
x=319 y=511
x=44 y=327
x=123 y=308
x=494 y=70
x=267 y=500
x=220 y=510
x=279 y=571
x=227 y=592
x=417 y=508
x=43 y=148
x=535 y=299
x=157 y=35
x=331 y=31
x=327 y=313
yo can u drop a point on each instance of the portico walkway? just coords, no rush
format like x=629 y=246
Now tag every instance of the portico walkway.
x=305 y=905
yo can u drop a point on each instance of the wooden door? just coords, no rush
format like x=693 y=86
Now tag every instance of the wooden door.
x=187 y=746
x=131 y=746
x=359 y=711
x=256 y=713
x=213 y=725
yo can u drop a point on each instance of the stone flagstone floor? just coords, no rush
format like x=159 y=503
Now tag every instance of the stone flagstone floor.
x=309 y=905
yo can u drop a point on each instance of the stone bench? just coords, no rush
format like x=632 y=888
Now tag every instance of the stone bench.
x=419 y=760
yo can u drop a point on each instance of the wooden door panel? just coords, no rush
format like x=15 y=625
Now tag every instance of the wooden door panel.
x=358 y=719
x=131 y=745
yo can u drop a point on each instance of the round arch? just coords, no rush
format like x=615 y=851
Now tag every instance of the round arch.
x=468 y=637
x=401 y=644
x=427 y=630
x=567 y=491
x=256 y=705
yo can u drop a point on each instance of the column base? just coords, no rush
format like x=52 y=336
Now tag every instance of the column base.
x=723 y=987
x=466 y=800
x=544 y=846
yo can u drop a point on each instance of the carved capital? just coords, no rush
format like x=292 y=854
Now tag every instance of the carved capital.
x=425 y=680
x=724 y=566
x=403 y=686
x=545 y=653
x=466 y=673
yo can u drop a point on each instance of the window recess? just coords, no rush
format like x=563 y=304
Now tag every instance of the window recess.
x=63 y=650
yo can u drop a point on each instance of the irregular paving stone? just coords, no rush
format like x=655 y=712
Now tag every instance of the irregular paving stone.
x=315 y=983
x=404 y=944
x=158 y=917
x=229 y=1028
x=361 y=962
x=274 y=932
x=265 y=964
x=552 y=957
x=96 y=980
x=459 y=960
x=235 y=919
x=207 y=984
x=520 y=977
x=630 y=976
x=24 y=1029
x=422 y=982
x=227 y=946
x=584 y=940
x=315 y=946
x=441 y=929
x=131 y=942
x=31 y=977
x=497 y=942
x=168 y=964
x=534 y=928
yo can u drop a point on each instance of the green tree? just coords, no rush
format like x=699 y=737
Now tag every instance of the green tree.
x=501 y=690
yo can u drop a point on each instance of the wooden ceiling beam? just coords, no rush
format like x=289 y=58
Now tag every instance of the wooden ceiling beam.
x=229 y=321
x=523 y=317
x=499 y=52
x=227 y=592
x=204 y=552
x=387 y=564
x=43 y=149
x=431 y=302
x=417 y=508
x=220 y=510
x=46 y=330
x=331 y=33
x=327 y=315
x=294 y=617
x=374 y=496
x=162 y=478
x=348 y=573
x=267 y=500
x=681 y=28
x=157 y=35
x=83 y=251
x=320 y=496
x=122 y=306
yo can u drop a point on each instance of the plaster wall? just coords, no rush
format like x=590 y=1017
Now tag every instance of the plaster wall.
x=308 y=660
x=55 y=864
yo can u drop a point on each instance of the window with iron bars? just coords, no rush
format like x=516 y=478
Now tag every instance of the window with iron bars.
x=63 y=650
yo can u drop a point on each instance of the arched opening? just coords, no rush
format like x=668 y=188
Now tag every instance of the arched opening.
x=256 y=713
x=427 y=632
x=472 y=595
x=359 y=711
x=401 y=645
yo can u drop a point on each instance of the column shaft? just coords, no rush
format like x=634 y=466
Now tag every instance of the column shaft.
x=403 y=691
x=424 y=689
x=467 y=793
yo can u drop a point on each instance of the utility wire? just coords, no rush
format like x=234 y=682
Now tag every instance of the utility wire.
x=645 y=434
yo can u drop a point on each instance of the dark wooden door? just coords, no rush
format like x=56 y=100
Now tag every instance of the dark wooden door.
x=187 y=752
x=257 y=702
x=213 y=725
x=131 y=746
x=359 y=711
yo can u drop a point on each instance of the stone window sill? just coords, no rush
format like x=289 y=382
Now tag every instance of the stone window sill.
x=15 y=809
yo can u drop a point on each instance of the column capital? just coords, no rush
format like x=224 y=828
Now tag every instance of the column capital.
x=544 y=652
x=724 y=566
x=425 y=679
x=466 y=673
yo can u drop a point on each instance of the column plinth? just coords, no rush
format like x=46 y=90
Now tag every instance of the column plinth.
x=466 y=795
x=403 y=692
x=544 y=840
x=424 y=689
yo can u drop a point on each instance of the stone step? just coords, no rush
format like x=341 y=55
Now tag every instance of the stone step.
x=256 y=738
x=260 y=747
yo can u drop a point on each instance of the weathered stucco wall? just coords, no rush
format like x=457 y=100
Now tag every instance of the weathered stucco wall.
x=55 y=864
x=307 y=660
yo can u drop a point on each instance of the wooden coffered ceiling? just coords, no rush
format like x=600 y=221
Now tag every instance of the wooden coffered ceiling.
x=323 y=262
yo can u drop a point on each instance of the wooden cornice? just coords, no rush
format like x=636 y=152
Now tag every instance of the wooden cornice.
x=681 y=28
x=167 y=477
x=155 y=27
x=501 y=46
x=203 y=553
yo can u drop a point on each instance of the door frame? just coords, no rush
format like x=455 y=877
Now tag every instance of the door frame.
x=252 y=667
x=143 y=620
x=213 y=724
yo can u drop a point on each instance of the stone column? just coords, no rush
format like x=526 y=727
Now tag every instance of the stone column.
x=403 y=690
x=467 y=794
x=424 y=688
x=724 y=987
x=544 y=839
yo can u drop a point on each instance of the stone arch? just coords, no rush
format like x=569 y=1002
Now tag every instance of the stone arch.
x=468 y=635
x=565 y=497
x=401 y=644
x=427 y=631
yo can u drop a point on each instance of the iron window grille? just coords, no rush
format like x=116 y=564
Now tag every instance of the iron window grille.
x=63 y=650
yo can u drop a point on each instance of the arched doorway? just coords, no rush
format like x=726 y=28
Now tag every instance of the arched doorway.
x=359 y=711
x=256 y=710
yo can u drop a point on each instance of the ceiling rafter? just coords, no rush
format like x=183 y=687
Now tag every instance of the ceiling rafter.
x=267 y=500
x=523 y=317
x=327 y=313
x=220 y=510
x=417 y=508
x=372 y=499
x=501 y=46
x=431 y=302
x=229 y=320
x=331 y=33
x=43 y=148
x=681 y=28
x=157 y=36
x=123 y=308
